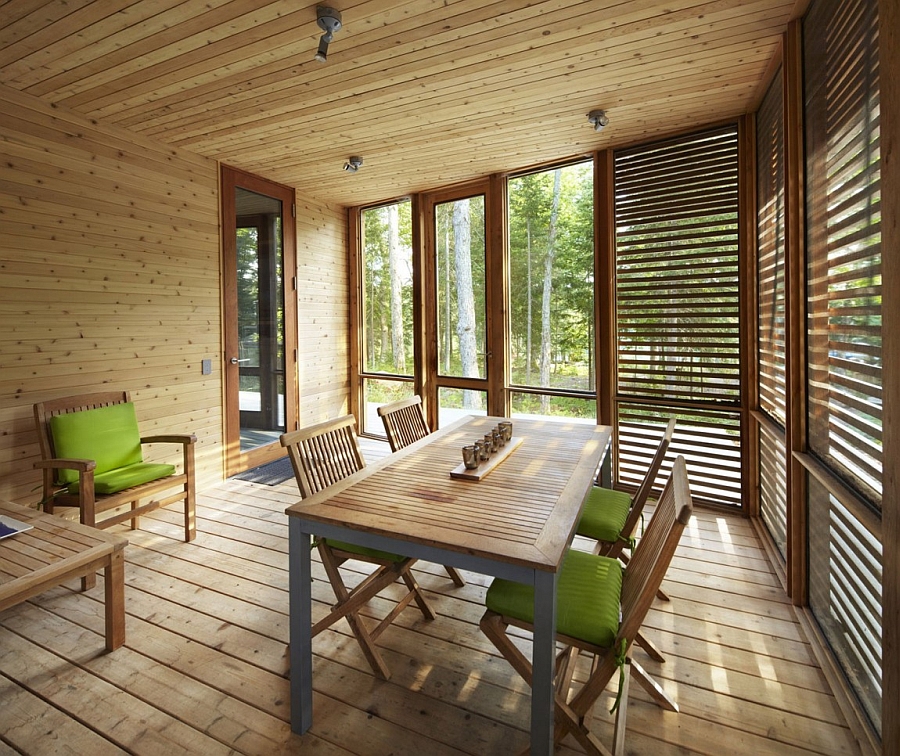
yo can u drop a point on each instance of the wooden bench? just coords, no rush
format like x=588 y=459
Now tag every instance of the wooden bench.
x=56 y=550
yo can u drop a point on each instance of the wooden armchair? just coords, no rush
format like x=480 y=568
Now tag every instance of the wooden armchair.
x=405 y=423
x=601 y=607
x=321 y=455
x=91 y=458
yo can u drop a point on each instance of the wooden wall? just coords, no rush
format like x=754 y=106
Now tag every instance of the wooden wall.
x=110 y=278
x=323 y=311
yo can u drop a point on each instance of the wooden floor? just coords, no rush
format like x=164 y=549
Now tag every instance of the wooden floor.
x=204 y=667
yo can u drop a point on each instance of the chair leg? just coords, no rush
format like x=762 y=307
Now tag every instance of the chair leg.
x=349 y=604
x=458 y=580
x=417 y=594
x=652 y=651
x=663 y=699
x=134 y=520
x=618 y=748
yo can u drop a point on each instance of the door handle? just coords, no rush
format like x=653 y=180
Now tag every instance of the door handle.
x=236 y=361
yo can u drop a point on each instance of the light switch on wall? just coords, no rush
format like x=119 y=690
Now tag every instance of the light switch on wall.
x=206 y=367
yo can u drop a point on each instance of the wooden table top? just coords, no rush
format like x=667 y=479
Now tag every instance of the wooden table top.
x=52 y=547
x=524 y=512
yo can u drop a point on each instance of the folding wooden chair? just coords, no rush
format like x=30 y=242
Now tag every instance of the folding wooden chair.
x=593 y=592
x=321 y=455
x=405 y=423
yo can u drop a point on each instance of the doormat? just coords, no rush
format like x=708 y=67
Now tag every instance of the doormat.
x=271 y=473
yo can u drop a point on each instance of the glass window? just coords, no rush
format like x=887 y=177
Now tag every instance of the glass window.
x=378 y=391
x=387 y=289
x=460 y=245
x=455 y=403
x=548 y=407
x=551 y=264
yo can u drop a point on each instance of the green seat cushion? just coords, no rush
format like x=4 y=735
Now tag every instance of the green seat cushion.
x=588 y=594
x=604 y=514
x=107 y=435
x=113 y=481
x=363 y=551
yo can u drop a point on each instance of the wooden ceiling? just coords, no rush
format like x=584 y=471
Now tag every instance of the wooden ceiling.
x=428 y=92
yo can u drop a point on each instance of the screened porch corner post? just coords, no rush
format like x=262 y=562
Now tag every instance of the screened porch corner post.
x=354 y=293
x=748 y=304
x=605 y=291
x=795 y=307
x=889 y=53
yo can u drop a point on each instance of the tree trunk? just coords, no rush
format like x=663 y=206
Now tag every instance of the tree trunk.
x=394 y=263
x=548 y=290
x=465 y=300
x=528 y=345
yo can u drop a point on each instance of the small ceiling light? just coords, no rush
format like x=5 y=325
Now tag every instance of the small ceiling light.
x=353 y=163
x=329 y=21
x=598 y=119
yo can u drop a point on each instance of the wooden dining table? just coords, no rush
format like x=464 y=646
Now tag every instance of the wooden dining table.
x=516 y=522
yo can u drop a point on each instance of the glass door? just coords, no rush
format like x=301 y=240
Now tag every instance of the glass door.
x=259 y=358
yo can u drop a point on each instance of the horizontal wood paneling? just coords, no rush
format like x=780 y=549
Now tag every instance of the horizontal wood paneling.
x=109 y=258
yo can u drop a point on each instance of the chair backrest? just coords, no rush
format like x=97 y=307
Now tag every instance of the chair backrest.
x=646 y=487
x=404 y=422
x=324 y=453
x=45 y=411
x=647 y=567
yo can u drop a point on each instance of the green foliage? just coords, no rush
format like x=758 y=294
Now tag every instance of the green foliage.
x=572 y=296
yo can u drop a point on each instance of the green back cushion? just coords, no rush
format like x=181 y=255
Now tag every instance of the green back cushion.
x=604 y=514
x=588 y=594
x=110 y=437
x=365 y=551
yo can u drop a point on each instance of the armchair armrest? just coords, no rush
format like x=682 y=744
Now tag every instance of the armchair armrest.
x=81 y=465
x=189 y=438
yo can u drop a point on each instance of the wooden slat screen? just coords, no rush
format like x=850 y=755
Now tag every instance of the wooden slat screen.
x=770 y=251
x=677 y=268
x=845 y=577
x=709 y=440
x=677 y=306
x=773 y=486
x=843 y=247
x=844 y=240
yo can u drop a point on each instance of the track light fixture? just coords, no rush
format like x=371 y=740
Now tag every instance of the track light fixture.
x=329 y=21
x=598 y=119
x=353 y=163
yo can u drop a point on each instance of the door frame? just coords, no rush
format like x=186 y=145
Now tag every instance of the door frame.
x=231 y=179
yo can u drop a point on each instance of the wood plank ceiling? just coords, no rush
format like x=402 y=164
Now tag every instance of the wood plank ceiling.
x=428 y=92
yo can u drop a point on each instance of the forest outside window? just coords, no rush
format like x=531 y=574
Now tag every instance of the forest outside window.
x=551 y=292
x=387 y=309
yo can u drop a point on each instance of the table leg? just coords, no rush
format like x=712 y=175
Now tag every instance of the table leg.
x=542 y=707
x=114 y=597
x=300 y=601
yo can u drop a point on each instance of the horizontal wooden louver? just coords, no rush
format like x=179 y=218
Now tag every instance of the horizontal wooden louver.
x=845 y=579
x=770 y=252
x=843 y=248
x=676 y=208
x=773 y=486
x=677 y=308
x=844 y=241
x=709 y=440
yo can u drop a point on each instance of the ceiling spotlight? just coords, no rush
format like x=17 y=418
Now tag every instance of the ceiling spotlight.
x=329 y=21
x=353 y=163
x=598 y=119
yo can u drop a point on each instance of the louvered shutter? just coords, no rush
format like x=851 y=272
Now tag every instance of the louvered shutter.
x=677 y=304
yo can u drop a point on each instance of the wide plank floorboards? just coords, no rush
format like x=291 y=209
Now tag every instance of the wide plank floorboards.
x=204 y=667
